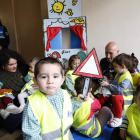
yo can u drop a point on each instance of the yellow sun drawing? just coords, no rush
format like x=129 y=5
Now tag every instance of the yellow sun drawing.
x=58 y=7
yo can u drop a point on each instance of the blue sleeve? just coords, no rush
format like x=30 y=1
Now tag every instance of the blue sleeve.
x=30 y=127
x=27 y=78
x=119 y=88
x=69 y=84
x=75 y=104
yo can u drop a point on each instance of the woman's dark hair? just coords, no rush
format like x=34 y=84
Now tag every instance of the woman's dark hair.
x=5 y=56
x=134 y=63
x=79 y=83
x=123 y=59
x=47 y=60
x=72 y=58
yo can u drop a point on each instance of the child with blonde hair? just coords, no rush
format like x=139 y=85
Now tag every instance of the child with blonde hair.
x=74 y=62
x=28 y=89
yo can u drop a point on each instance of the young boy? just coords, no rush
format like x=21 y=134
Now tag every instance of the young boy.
x=48 y=112
x=130 y=128
x=90 y=118
x=121 y=87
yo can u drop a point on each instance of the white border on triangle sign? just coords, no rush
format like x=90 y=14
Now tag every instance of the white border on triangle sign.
x=90 y=66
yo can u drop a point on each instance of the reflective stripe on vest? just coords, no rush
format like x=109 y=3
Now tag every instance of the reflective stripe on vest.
x=55 y=134
x=72 y=76
x=133 y=117
x=5 y=95
x=28 y=86
x=43 y=110
x=91 y=127
x=128 y=93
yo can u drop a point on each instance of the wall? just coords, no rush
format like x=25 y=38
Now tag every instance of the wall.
x=113 y=20
x=29 y=28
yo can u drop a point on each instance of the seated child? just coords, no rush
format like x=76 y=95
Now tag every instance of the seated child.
x=135 y=75
x=27 y=90
x=90 y=113
x=4 y=98
x=121 y=87
x=74 y=62
x=130 y=128
x=48 y=112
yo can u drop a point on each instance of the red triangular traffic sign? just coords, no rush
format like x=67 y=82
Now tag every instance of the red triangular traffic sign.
x=89 y=67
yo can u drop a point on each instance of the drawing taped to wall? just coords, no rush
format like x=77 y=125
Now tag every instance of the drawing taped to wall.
x=78 y=21
x=58 y=7
x=74 y=2
x=69 y=12
x=64 y=8
x=63 y=55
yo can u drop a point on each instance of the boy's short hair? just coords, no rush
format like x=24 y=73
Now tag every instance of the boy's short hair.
x=138 y=90
x=47 y=60
x=123 y=59
x=79 y=83
x=34 y=59
x=72 y=58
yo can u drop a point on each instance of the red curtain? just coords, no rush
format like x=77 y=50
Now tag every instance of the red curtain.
x=51 y=32
x=78 y=30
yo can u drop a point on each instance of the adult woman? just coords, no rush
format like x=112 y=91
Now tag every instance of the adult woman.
x=12 y=71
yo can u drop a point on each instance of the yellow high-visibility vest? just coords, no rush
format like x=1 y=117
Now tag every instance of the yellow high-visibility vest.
x=5 y=94
x=73 y=78
x=91 y=127
x=133 y=116
x=52 y=129
x=28 y=85
x=136 y=79
x=128 y=93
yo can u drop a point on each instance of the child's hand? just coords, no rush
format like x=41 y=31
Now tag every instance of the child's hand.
x=78 y=99
x=0 y=87
x=75 y=93
x=90 y=95
x=123 y=134
x=32 y=74
x=104 y=84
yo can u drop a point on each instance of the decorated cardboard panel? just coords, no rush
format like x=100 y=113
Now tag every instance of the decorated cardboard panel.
x=63 y=55
x=64 y=8
x=64 y=24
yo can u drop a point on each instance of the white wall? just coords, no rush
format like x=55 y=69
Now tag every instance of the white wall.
x=113 y=20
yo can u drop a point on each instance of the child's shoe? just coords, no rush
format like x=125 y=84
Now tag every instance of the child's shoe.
x=4 y=114
x=116 y=122
x=12 y=108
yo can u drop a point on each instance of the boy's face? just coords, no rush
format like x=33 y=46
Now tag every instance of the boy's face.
x=137 y=100
x=32 y=66
x=119 y=69
x=49 y=78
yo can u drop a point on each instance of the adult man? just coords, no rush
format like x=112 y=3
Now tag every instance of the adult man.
x=111 y=51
